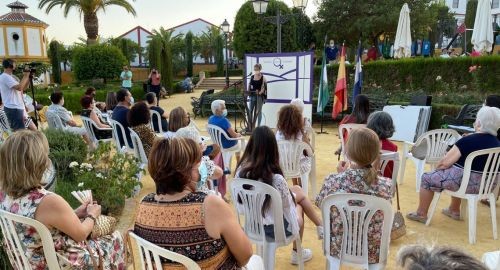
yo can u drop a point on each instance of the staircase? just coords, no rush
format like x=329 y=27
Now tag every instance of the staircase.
x=217 y=83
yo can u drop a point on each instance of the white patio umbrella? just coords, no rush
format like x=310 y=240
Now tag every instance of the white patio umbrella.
x=482 y=35
x=402 y=44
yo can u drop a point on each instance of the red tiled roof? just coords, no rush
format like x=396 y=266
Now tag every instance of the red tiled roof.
x=20 y=17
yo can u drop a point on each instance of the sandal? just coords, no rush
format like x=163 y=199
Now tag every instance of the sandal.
x=416 y=217
x=450 y=214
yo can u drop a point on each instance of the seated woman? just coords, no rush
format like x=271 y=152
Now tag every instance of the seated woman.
x=450 y=169
x=208 y=170
x=24 y=159
x=178 y=118
x=208 y=232
x=260 y=162
x=290 y=127
x=111 y=101
x=299 y=103
x=152 y=100
x=359 y=115
x=358 y=176
x=382 y=124
x=139 y=120
x=88 y=110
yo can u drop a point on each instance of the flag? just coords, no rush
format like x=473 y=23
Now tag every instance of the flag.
x=340 y=102
x=324 y=92
x=358 y=75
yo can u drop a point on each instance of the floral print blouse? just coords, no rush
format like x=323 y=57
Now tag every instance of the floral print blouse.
x=352 y=181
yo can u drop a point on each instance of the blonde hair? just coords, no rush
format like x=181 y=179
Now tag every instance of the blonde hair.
x=24 y=157
x=363 y=147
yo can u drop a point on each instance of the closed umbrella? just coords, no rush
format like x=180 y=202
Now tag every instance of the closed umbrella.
x=402 y=44
x=482 y=35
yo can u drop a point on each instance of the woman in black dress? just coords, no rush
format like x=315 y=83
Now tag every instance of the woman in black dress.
x=257 y=93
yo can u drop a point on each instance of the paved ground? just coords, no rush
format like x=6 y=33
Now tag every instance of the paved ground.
x=443 y=231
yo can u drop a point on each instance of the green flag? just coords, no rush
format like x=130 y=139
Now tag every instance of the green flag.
x=324 y=92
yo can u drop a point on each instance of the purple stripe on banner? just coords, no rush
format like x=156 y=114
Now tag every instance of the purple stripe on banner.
x=283 y=101
x=297 y=76
x=312 y=77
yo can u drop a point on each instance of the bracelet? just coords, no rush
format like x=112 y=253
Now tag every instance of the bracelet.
x=91 y=217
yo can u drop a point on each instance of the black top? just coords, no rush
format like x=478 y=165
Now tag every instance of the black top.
x=256 y=85
x=164 y=122
x=475 y=142
x=120 y=115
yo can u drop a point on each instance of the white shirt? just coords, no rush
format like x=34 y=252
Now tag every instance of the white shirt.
x=12 y=98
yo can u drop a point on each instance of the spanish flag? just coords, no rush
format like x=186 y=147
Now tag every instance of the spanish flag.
x=340 y=97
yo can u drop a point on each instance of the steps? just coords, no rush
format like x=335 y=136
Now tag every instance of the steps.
x=217 y=83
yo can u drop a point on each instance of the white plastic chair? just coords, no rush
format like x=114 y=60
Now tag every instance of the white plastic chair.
x=216 y=133
x=53 y=120
x=119 y=130
x=4 y=125
x=252 y=195
x=491 y=174
x=89 y=125
x=385 y=159
x=347 y=129
x=438 y=141
x=138 y=147
x=8 y=224
x=356 y=221
x=492 y=260
x=290 y=154
x=156 y=116
x=150 y=255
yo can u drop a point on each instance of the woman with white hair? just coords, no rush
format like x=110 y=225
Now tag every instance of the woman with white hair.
x=299 y=103
x=450 y=169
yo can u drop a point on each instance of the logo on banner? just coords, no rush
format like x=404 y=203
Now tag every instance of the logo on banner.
x=277 y=63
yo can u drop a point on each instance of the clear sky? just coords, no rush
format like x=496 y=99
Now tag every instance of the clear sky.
x=150 y=14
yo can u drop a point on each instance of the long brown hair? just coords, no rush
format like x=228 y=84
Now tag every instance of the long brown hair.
x=176 y=119
x=290 y=121
x=261 y=161
x=363 y=147
x=171 y=162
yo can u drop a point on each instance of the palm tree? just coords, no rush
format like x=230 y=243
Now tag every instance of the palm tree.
x=162 y=46
x=89 y=9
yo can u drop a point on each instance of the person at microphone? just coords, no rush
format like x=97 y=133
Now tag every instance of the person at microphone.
x=257 y=93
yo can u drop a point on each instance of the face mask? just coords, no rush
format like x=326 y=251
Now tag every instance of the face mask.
x=224 y=112
x=132 y=100
x=202 y=175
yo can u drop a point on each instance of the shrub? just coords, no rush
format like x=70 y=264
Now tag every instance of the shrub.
x=97 y=61
x=65 y=148
x=111 y=177
x=55 y=60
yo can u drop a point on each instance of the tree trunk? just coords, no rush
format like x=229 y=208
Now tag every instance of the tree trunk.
x=91 y=24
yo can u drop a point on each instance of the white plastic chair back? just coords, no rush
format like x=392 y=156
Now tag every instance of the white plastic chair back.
x=156 y=116
x=438 y=141
x=150 y=255
x=356 y=220
x=119 y=131
x=385 y=159
x=216 y=134
x=89 y=127
x=312 y=136
x=490 y=175
x=138 y=147
x=4 y=122
x=53 y=120
x=290 y=153
x=8 y=224
x=347 y=129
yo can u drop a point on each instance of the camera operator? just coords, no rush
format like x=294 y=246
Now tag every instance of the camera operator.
x=155 y=84
x=12 y=95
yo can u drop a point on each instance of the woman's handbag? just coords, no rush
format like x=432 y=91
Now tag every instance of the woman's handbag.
x=104 y=225
x=398 y=226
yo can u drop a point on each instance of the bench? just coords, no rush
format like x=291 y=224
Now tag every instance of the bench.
x=466 y=115
x=197 y=103
x=376 y=104
x=234 y=104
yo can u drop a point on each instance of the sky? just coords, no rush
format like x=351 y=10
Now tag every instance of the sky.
x=150 y=14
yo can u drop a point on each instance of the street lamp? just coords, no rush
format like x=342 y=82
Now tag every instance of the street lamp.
x=260 y=6
x=225 y=28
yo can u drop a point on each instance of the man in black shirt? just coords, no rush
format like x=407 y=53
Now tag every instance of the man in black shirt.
x=124 y=98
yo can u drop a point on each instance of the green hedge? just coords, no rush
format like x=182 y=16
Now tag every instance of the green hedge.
x=72 y=96
x=401 y=79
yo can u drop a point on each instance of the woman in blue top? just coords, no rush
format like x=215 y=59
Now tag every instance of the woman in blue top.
x=450 y=169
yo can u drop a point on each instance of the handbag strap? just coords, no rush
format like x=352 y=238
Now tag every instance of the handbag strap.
x=397 y=195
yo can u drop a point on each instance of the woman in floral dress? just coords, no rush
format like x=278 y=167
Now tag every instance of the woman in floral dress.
x=24 y=159
x=359 y=177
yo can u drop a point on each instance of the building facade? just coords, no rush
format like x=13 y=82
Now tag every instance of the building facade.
x=459 y=7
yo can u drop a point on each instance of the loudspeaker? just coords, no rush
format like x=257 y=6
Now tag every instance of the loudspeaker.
x=421 y=101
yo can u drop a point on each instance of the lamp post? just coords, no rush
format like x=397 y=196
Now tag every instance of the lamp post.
x=260 y=7
x=225 y=28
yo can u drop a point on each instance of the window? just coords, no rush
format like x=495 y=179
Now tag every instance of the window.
x=455 y=3
x=495 y=4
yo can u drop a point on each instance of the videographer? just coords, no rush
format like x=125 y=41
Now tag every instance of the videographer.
x=155 y=84
x=12 y=95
